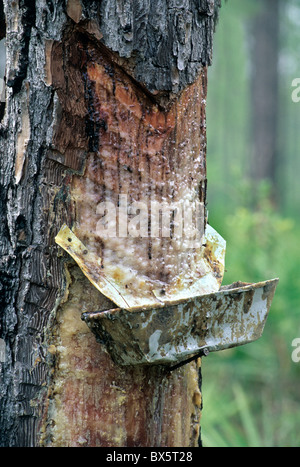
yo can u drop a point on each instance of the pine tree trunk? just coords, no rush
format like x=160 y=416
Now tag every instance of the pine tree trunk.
x=69 y=75
x=264 y=88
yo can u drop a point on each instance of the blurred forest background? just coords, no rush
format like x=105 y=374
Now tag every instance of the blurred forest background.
x=251 y=395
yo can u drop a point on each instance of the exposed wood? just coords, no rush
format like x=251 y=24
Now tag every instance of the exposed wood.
x=132 y=148
x=59 y=387
x=165 y=43
x=93 y=402
x=74 y=10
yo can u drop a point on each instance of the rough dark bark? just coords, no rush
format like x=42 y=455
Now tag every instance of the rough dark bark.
x=2 y=22
x=58 y=386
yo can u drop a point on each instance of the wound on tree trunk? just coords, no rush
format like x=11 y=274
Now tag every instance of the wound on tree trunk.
x=103 y=98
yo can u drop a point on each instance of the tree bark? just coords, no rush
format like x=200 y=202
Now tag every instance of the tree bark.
x=70 y=73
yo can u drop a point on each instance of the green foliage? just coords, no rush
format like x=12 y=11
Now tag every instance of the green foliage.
x=251 y=394
x=258 y=384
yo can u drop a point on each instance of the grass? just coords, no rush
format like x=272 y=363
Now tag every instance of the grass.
x=252 y=394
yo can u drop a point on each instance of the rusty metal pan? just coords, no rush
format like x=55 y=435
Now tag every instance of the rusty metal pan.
x=175 y=331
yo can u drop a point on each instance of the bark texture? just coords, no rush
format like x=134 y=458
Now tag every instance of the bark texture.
x=169 y=40
x=2 y=22
x=58 y=386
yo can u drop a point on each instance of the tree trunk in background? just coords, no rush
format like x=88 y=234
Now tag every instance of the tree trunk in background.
x=264 y=91
x=58 y=386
